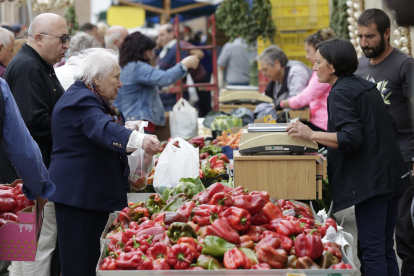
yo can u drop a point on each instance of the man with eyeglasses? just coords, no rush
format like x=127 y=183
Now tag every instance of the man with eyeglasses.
x=36 y=89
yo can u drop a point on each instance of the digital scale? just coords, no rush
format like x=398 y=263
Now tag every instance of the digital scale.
x=273 y=139
x=238 y=94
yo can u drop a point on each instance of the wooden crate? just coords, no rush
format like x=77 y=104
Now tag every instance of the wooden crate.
x=282 y=176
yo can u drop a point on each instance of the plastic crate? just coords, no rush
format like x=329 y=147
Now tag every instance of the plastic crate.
x=300 y=11
x=302 y=23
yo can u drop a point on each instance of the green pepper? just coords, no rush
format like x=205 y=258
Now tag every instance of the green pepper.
x=174 y=203
x=180 y=229
x=182 y=189
x=154 y=204
x=216 y=246
x=249 y=254
x=208 y=263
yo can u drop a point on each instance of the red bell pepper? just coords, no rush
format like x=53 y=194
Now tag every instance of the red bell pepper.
x=263 y=266
x=180 y=256
x=255 y=232
x=23 y=202
x=193 y=250
x=276 y=258
x=191 y=241
x=18 y=190
x=139 y=244
x=306 y=263
x=147 y=224
x=161 y=264
x=153 y=231
x=246 y=242
x=202 y=232
x=115 y=243
x=272 y=212
x=203 y=155
x=273 y=224
x=325 y=226
x=200 y=173
x=124 y=218
x=307 y=223
x=281 y=203
x=263 y=193
x=235 y=259
x=186 y=209
x=238 y=191
x=222 y=199
x=3 y=187
x=288 y=228
x=197 y=141
x=269 y=240
x=252 y=203
x=223 y=157
x=308 y=232
x=342 y=266
x=9 y=216
x=208 y=194
x=206 y=214
x=222 y=229
x=195 y=226
x=238 y=218
x=109 y=262
x=129 y=233
x=157 y=251
x=129 y=261
x=138 y=212
x=259 y=218
x=334 y=248
x=228 y=189
x=308 y=245
x=287 y=243
x=7 y=201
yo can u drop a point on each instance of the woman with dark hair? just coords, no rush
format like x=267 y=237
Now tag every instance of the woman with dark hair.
x=138 y=98
x=315 y=94
x=366 y=168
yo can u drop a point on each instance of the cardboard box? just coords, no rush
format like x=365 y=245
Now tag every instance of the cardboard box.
x=18 y=240
x=163 y=132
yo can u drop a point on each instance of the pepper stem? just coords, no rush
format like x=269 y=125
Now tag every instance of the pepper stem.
x=292 y=237
x=181 y=257
x=198 y=243
x=121 y=245
x=159 y=256
x=209 y=264
x=122 y=228
x=136 y=244
x=243 y=220
x=113 y=254
x=246 y=191
x=311 y=232
x=149 y=239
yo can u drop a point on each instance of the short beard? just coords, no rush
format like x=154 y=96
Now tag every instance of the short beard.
x=376 y=51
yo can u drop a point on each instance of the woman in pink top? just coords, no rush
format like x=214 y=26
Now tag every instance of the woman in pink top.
x=315 y=94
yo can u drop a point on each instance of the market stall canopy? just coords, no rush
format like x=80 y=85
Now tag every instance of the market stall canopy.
x=166 y=8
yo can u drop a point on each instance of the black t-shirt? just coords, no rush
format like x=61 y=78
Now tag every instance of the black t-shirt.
x=396 y=75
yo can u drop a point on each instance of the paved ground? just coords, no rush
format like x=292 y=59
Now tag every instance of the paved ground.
x=350 y=227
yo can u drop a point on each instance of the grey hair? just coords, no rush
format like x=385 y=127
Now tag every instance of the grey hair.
x=109 y=39
x=273 y=53
x=5 y=36
x=93 y=62
x=82 y=41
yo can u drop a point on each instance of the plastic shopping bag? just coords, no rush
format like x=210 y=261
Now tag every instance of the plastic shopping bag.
x=175 y=163
x=140 y=165
x=183 y=120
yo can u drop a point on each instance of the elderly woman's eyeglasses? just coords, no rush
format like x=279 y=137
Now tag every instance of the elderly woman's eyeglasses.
x=64 y=38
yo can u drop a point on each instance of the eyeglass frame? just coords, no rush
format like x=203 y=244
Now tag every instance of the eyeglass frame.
x=63 y=37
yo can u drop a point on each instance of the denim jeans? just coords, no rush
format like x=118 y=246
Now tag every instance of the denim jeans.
x=376 y=218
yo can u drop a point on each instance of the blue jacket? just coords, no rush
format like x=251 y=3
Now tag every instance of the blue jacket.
x=21 y=149
x=89 y=162
x=138 y=98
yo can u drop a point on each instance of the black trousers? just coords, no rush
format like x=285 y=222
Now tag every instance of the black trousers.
x=204 y=98
x=79 y=232
x=404 y=233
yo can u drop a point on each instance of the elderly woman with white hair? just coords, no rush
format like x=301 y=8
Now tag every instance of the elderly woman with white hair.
x=89 y=164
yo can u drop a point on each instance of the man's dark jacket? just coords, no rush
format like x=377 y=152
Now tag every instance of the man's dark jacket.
x=36 y=90
x=368 y=160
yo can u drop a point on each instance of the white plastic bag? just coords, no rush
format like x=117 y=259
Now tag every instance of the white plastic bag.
x=140 y=165
x=183 y=120
x=175 y=163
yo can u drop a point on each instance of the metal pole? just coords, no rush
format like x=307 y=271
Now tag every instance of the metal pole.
x=29 y=10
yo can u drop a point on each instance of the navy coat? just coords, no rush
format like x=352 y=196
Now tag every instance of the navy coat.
x=368 y=160
x=89 y=163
